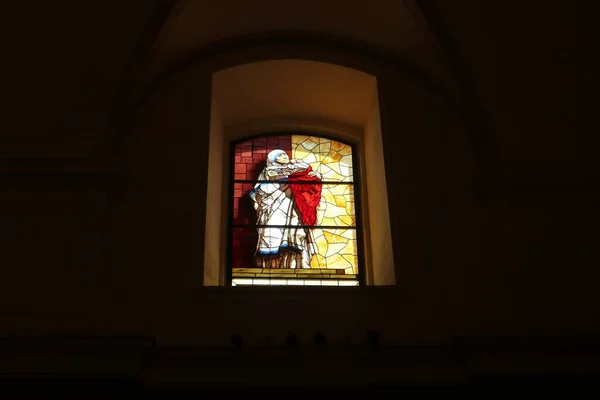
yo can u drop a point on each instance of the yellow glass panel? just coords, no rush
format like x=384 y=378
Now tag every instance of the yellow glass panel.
x=333 y=238
x=338 y=190
x=336 y=207
x=333 y=211
x=332 y=159
x=344 y=220
x=318 y=261
x=337 y=146
x=347 y=233
x=340 y=201
x=309 y=145
x=336 y=249
x=324 y=148
x=309 y=158
x=338 y=262
x=299 y=138
x=329 y=174
x=328 y=221
x=350 y=208
x=345 y=151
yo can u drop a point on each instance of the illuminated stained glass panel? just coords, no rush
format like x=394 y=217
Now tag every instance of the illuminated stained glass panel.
x=335 y=208
x=331 y=158
x=335 y=252
x=294 y=219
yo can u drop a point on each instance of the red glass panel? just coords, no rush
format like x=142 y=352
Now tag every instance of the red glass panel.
x=243 y=207
x=244 y=247
x=250 y=155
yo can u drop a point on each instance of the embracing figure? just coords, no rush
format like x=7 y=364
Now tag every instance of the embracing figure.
x=286 y=200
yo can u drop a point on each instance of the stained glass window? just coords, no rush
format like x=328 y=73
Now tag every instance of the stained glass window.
x=294 y=212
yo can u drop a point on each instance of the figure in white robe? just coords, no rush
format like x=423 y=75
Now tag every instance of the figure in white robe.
x=286 y=243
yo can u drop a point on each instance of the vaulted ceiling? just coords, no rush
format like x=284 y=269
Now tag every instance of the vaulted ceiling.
x=69 y=63
x=393 y=26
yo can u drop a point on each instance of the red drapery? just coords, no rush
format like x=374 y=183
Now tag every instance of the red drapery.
x=306 y=196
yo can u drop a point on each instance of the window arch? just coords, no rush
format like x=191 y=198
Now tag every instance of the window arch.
x=294 y=218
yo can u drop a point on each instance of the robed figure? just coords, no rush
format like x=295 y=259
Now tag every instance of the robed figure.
x=286 y=200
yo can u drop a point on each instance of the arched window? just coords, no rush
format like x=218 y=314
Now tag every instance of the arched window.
x=293 y=216
x=328 y=114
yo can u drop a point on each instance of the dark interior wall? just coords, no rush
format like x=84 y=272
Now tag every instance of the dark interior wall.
x=539 y=236
x=158 y=226
x=500 y=251
x=435 y=215
x=63 y=73
x=475 y=253
x=518 y=65
x=158 y=220
x=519 y=62
x=503 y=248
x=53 y=253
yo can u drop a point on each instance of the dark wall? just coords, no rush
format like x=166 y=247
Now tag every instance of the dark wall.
x=474 y=253
x=493 y=248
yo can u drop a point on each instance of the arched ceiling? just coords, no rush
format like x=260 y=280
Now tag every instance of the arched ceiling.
x=390 y=26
